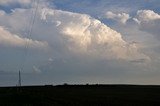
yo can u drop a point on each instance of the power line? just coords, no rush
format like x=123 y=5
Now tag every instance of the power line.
x=29 y=34
x=29 y=31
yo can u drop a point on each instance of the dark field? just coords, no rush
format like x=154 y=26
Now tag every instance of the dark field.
x=80 y=95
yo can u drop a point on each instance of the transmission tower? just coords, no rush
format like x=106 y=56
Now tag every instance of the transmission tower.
x=19 y=78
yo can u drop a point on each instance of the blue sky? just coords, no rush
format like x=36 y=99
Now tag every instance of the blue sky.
x=80 y=41
x=94 y=7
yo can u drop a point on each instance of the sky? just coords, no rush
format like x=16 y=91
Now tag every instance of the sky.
x=79 y=42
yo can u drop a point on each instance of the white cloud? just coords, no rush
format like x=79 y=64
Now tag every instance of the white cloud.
x=146 y=16
x=7 y=2
x=120 y=17
x=36 y=70
x=84 y=34
x=148 y=21
x=68 y=35
x=74 y=32
x=11 y=40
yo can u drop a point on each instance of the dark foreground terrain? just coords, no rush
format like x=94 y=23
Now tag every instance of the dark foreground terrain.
x=80 y=95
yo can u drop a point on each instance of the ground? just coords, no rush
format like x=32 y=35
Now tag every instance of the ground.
x=80 y=95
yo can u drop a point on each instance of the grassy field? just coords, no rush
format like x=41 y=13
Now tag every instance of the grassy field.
x=80 y=95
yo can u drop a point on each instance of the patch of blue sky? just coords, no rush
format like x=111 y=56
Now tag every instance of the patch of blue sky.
x=95 y=7
x=8 y=8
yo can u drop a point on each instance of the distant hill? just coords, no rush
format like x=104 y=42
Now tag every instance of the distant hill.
x=81 y=95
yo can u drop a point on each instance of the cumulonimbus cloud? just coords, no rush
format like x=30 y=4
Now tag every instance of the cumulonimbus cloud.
x=82 y=33
x=74 y=32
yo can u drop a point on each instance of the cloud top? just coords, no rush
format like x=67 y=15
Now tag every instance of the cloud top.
x=120 y=17
x=146 y=16
x=84 y=34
